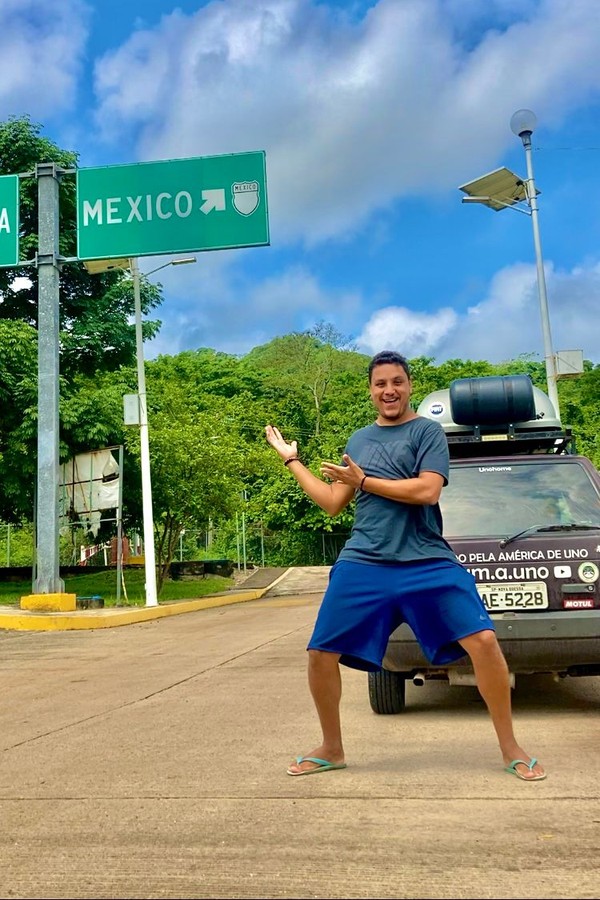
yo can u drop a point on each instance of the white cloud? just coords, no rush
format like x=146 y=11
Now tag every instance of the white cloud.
x=41 y=50
x=411 y=333
x=354 y=113
x=504 y=325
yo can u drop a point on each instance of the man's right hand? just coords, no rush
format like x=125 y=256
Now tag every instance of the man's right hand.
x=285 y=450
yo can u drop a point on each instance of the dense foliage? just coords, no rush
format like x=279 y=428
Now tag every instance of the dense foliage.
x=211 y=464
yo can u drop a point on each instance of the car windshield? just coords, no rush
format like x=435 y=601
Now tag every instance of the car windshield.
x=500 y=499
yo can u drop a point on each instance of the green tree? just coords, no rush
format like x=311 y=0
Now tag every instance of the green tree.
x=195 y=477
x=580 y=409
x=18 y=402
x=305 y=364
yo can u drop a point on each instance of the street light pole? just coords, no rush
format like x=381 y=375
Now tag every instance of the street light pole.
x=148 y=516
x=522 y=124
x=149 y=559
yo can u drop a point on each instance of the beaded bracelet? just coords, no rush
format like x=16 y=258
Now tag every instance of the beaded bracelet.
x=286 y=462
x=362 y=482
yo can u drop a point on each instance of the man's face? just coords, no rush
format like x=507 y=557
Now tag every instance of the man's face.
x=390 y=392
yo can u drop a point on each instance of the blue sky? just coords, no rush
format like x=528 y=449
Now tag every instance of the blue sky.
x=371 y=115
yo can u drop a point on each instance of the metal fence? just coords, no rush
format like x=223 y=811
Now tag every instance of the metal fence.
x=247 y=544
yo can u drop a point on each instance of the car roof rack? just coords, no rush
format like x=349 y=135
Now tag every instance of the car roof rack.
x=497 y=415
x=509 y=442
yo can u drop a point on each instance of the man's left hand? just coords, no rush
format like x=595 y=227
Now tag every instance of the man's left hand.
x=350 y=473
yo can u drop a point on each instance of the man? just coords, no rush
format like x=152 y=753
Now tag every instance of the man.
x=395 y=567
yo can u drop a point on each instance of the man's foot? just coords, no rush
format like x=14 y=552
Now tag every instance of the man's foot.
x=525 y=767
x=320 y=760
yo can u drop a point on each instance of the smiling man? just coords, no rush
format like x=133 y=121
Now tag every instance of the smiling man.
x=395 y=567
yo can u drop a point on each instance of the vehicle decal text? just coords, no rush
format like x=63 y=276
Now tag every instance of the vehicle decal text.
x=524 y=555
x=509 y=573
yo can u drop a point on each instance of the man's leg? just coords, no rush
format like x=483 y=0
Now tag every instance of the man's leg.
x=325 y=682
x=493 y=682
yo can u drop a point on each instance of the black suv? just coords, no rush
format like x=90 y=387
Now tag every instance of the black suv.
x=522 y=513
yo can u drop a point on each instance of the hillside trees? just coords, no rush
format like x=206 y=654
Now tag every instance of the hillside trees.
x=580 y=408
x=18 y=418
x=210 y=460
x=307 y=364
x=205 y=430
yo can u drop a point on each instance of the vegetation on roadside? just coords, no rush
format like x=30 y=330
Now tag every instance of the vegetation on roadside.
x=104 y=584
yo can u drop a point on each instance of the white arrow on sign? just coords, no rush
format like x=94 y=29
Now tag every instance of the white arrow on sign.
x=213 y=199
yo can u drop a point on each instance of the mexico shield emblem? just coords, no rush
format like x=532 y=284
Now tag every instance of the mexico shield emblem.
x=245 y=196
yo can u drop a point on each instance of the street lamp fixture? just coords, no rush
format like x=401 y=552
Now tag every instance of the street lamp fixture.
x=184 y=261
x=148 y=517
x=503 y=189
x=523 y=122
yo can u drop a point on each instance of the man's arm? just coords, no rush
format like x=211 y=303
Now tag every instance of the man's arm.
x=332 y=498
x=424 y=490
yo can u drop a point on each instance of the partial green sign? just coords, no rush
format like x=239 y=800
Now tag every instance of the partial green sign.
x=9 y=220
x=172 y=206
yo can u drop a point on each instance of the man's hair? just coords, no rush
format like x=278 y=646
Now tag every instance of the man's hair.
x=388 y=357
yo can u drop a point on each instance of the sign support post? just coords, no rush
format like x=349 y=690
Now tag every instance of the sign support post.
x=48 y=587
x=47 y=580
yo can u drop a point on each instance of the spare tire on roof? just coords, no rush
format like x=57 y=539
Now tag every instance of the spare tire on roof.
x=492 y=400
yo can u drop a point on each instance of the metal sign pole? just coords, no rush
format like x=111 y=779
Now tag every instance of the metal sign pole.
x=47 y=580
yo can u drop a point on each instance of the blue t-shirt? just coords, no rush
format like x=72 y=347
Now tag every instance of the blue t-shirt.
x=389 y=531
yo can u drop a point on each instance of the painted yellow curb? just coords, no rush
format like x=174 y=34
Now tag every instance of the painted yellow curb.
x=50 y=602
x=24 y=620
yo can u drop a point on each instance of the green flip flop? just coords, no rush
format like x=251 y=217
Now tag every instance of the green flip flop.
x=511 y=768
x=321 y=765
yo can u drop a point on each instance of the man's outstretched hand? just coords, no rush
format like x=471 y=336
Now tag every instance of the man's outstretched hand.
x=350 y=474
x=285 y=450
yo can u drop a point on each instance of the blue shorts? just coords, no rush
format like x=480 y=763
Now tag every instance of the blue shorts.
x=365 y=603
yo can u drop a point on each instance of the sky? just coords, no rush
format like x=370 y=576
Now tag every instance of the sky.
x=371 y=116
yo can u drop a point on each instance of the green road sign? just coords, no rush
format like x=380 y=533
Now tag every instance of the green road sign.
x=172 y=206
x=9 y=220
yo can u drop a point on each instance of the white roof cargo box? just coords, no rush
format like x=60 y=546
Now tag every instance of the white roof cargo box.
x=495 y=409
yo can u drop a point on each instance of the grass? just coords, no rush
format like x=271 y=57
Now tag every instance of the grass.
x=105 y=584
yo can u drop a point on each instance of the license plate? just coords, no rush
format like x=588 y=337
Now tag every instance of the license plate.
x=519 y=595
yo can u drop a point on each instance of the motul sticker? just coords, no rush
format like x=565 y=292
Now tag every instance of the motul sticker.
x=583 y=603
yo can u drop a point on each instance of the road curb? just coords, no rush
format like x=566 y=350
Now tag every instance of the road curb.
x=24 y=620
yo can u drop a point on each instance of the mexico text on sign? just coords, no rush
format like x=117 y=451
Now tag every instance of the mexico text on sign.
x=9 y=220
x=172 y=206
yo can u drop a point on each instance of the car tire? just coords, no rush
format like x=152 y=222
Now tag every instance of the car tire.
x=387 y=692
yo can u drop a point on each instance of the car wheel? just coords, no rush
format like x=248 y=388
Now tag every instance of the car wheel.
x=387 y=692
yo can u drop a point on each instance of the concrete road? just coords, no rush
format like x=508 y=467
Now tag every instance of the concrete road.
x=148 y=761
